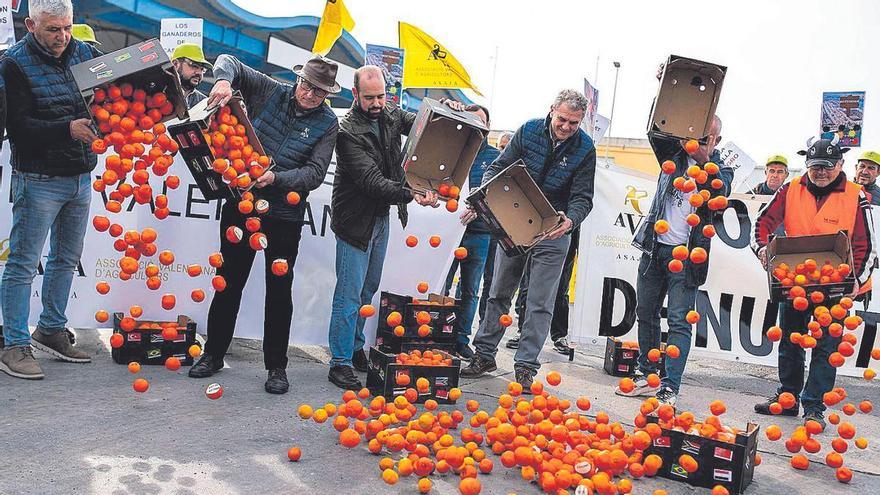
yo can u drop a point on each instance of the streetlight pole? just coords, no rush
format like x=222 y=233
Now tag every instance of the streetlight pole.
x=613 y=101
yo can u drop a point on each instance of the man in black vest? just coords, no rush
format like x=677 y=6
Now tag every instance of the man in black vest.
x=50 y=134
x=298 y=131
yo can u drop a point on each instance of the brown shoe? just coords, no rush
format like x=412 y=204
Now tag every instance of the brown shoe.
x=58 y=345
x=19 y=362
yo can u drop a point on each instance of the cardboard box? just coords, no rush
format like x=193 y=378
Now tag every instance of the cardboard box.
x=687 y=98
x=623 y=361
x=144 y=66
x=443 y=311
x=517 y=212
x=731 y=465
x=835 y=248
x=197 y=153
x=384 y=370
x=441 y=147
x=146 y=345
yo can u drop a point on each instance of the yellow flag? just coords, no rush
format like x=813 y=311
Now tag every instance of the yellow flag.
x=335 y=19
x=428 y=64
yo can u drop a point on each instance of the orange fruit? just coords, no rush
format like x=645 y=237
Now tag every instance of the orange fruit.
x=399 y=331
x=505 y=320
x=717 y=407
x=672 y=351
x=554 y=378
x=692 y=316
x=412 y=241
x=774 y=334
x=846 y=430
x=773 y=433
x=349 y=438
x=389 y=476
x=134 y=367
x=172 y=363
x=194 y=351
x=168 y=302
x=166 y=257
x=434 y=241
x=469 y=486
x=366 y=311
x=197 y=295
x=800 y=461
x=460 y=253
x=699 y=255
x=719 y=490
x=116 y=340
x=668 y=167
x=452 y=205
x=140 y=385
x=102 y=287
x=661 y=227
x=843 y=474
x=422 y=287
x=626 y=385
x=680 y=253
x=294 y=454
x=654 y=355
x=423 y=318
x=709 y=230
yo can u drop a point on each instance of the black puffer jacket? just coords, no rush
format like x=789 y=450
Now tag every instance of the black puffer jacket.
x=369 y=173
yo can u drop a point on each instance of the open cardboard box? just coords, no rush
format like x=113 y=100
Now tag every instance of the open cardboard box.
x=687 y=98
x=197 y=153
x=144 y=66
x=441 y=147
x=517 y=212
x=835 y=248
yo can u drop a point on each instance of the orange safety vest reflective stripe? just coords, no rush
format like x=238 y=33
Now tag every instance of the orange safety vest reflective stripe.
x=803 y=216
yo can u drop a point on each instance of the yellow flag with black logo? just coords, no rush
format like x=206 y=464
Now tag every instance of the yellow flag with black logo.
x=335 y=19
x=428 y=64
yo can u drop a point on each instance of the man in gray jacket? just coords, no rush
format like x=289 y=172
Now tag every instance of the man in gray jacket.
x=298 y=131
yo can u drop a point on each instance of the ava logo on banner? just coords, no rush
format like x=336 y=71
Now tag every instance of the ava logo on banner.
x=176 y=32
x=734 y=301
x=192 y=232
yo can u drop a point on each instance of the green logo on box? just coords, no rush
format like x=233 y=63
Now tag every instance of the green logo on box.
x=122 y=58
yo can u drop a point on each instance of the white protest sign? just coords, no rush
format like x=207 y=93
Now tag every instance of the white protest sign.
x=7 y=30
x=176 y=32
x=602 y=123
x=737 y=159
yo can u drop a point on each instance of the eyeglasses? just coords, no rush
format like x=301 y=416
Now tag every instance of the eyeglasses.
x=309 y=87
x=821 y=165
x=195 y=66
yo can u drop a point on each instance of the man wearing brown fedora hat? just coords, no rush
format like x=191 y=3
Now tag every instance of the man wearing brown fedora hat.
x=299 y=132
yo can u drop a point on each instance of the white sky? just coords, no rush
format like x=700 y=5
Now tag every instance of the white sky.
x=780 y=55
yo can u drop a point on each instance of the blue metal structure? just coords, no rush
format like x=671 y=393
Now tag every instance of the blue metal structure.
x=228 y=28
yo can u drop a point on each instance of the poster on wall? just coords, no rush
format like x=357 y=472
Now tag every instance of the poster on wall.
x=844 y=112
x=390 y=59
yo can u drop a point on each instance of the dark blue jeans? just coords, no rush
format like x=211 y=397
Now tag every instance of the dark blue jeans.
x=477 y=245
x=792 y=358
x=655 y=282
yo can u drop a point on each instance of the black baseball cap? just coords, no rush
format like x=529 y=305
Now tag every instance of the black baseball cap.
x=826 y=151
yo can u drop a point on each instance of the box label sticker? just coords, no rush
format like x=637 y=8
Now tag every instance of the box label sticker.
x=150 y=57
x=156 y=338
x=133 y=337
x=722 y=453
x=691 y=446
x=441 y=381
x=678 y=471
x=662 y=442
x=98 y=67
x=442 y=394
x=122 y=58
x=147 y=46
x=154 y=353
x=623 y=367
x=628 y=355
x=104 y=75
x=722 y=475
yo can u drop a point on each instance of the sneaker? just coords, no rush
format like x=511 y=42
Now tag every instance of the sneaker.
x=524 y=377
x=464 y=351
x=206 y=366
x=478 y=366
x=19 y=362
x=58 y=345
x=666 y=396
x=277 y=382
x=359 y=361
x=513 y=343
x=70 y=336
x=642 y=389
x=344 y=378
x=561 y=346
x=816 y=416
x=764 y=407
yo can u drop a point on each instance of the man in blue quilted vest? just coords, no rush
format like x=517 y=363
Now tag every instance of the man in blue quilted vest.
x=50 y=134
x=298 y=130
x=561 y=158
x=476 y=240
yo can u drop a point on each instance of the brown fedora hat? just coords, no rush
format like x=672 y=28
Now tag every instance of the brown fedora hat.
x=320 y=72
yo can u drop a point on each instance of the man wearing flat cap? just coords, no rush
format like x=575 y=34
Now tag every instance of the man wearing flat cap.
x=867 y=170
x=190 y=63
x=298 y=131
x=822 y=201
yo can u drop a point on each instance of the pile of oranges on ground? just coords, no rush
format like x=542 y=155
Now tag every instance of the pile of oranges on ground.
x=549 y=440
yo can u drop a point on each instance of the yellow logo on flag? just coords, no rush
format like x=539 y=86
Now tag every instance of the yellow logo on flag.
x=333 y=21
x=427 y=64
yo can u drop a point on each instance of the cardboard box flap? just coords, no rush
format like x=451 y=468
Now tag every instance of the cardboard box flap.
x=442 y=146
x=687 y=98
x=519 y=205
x=825 y=247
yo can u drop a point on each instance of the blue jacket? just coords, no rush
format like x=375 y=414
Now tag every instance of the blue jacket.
x=645 y=238
x=564 y=172
x=42 y=100
x=299 y=141
x=484 y=158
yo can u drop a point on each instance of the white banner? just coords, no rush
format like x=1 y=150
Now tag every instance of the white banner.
x=192 y=233
x=742 y=164
x=176 y=32
x=733 y=303
x=7 y=30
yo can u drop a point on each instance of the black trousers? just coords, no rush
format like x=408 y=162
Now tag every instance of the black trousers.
x=238 y=258
x=559 y=323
